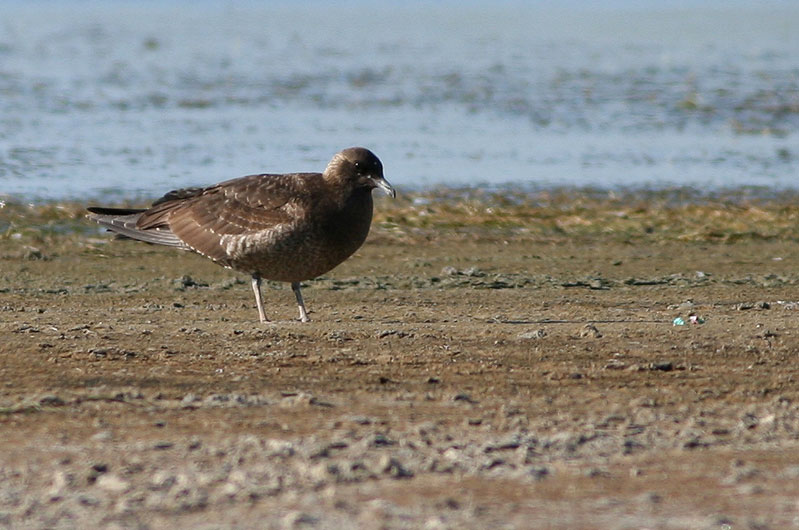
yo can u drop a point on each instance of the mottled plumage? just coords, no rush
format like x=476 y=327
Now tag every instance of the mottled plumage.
x=287 y=228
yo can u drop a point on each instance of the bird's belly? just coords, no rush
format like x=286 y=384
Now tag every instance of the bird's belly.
x=293 y=256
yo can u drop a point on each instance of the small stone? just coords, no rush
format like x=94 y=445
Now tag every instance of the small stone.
x=452 y=504
x=435 y=522
x=662 y=366
x=538 y=472
x=51 y=401
x=188 y=399
x=654 y=497
x=61 y=481
x=694 y=442
x=32 y=253
x=102 y=436
x=381 y=440
x=534 y=334
x=95 y=472
x=393 y=467
x=88 y=500
x=596 y=283
x=187 y=281
x=615 y=364
x=163 y=481
x=112 y=483
x=590 y=331
x=464 y=397
x=474 y=272
x=645 y=402
x=298 y=519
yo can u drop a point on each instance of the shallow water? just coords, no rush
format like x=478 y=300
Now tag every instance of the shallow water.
x=128 y=101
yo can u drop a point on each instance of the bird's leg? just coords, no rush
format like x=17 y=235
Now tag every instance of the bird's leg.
x=295 y=286
x=256 y=289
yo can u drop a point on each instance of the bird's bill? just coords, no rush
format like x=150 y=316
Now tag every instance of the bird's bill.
x=383 y=184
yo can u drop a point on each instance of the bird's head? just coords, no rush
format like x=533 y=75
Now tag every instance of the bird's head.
x=360 y=168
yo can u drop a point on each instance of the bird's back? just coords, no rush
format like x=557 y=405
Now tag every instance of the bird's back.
x=289 y=227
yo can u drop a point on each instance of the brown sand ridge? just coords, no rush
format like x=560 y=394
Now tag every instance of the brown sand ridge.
x=484 y=361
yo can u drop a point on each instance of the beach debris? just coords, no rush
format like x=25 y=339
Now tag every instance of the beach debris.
x=692 y=319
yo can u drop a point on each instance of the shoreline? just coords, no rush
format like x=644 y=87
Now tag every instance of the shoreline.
x=676 y=214
x=518 y=191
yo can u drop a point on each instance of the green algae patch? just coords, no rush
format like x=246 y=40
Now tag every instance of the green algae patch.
x=671 y=215
x=676 y=215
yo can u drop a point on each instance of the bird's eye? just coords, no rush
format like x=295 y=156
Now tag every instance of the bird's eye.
x=358 y=167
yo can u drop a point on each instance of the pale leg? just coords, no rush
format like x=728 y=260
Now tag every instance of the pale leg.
x=303 y=313
x=256 y=289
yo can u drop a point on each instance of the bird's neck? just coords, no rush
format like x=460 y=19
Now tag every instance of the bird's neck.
x=349 y=224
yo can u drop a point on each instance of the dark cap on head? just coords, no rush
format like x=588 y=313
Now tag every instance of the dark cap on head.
x=363 y=166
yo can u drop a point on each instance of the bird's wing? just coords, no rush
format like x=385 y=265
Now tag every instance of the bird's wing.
x=200 y=217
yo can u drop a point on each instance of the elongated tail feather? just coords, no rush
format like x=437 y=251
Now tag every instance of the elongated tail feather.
x=123 y=222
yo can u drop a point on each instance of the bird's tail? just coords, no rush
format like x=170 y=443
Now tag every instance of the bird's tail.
x=123 y=221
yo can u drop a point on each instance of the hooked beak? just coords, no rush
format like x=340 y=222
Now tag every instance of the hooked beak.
x=382 y=183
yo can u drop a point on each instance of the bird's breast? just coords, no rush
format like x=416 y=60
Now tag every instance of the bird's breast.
x=306 y=248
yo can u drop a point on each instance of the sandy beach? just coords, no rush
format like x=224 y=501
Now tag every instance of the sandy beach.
x=498 y=361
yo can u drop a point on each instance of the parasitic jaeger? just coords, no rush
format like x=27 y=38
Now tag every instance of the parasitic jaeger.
x=290 y=227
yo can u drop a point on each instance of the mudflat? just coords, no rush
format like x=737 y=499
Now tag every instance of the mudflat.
x=484 y=361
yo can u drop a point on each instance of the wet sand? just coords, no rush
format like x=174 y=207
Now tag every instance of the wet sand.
x=482 y=363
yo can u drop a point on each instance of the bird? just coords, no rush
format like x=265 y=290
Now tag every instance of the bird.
x=282 y=227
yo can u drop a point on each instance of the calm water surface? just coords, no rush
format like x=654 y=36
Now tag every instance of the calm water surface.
x=129 y=100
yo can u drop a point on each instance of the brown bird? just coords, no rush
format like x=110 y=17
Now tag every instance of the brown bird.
x=287 y=228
